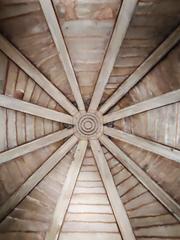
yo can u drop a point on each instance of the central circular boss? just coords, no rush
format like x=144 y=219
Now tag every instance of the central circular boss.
x=88 y=125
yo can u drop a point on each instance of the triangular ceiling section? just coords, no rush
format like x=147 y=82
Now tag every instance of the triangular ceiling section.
x=162 y=170
x=87 y=28
x=16 y=83
x=153 y=127
x=31 y=218
x=148 y=217
x=34 y=32
x=14 y=173
x=150 y=26
x=156 y=82
x=89 y=215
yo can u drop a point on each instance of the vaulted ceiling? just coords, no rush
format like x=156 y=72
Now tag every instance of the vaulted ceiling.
x=90 y=119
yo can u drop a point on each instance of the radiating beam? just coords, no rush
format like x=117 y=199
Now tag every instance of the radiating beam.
x=116 y=203
x=148 y=182
x=34 y=145
x=57 y=35
x=122 y=24
x=148 y=145
x=153 y=103
x=142 y=70
x=16 y=56
x=36 y=177
x=67 y=191
x=33 y=109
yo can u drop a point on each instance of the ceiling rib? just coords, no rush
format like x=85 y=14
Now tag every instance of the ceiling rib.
x=121 y=27
x=117 y=205
x=34 y=145
x=67 y=190
x=63 y=54
x=153 y=103
x=33 y=109
x=142 y=70
x=148 y=182
x=148 y=145
x=16 y=56
x=36 y=177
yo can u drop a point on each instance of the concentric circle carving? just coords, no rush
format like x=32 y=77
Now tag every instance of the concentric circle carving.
x=88 y=125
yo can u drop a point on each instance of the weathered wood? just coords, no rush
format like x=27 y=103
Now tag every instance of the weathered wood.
x=33 y=109
x=64 y=199
x=89 y=227
x=15 y=55
x=90 y=209
x=34 y=145
x=3 y=70
x=3 y=122
x=92 y=198
x=122 y=24
x=36 y=177
x=162 y=150
x=153 y=103
x=153 y=221
x=15 y=10
x=90 y=236
x=11 y=125
x=54 y=27
x=86 y=28
x=90 y=217
x=21 y=235
x=118 y=208
x=142 y=70
x=167 y=232
x=20 y=225
x=149 y=183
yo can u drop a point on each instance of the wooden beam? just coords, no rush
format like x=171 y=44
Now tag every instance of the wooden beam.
x=148 y=182
x=122 y=24
x=148 y=145
x=57 y=35
x=67 y=191
x=16 y=56
x=116 y=203
x=153 y=103
x=142 y=70
x=33 y=109
x=36 y=177
x=34 y=145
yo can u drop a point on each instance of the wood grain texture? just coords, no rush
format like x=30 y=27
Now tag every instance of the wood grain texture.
x=153 y=103
x=22 y=106
x=54 y=27
x=3 y=70
x=143 y=209
x=120 y=29
x=67 y=190
x=87 y=27
x=36 y=75
x=121 y=216
x=33 y=214
x=36 y=177
x=34 y=145
x=155 y=189
x=143 y=69
x=165 y=151
x=160 y=125
x=89 y=212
